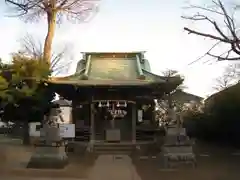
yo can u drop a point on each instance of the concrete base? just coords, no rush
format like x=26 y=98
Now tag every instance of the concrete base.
x=48 y=158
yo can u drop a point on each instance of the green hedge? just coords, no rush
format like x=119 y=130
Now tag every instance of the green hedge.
x=219 y=123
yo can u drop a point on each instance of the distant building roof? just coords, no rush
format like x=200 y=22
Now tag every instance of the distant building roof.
x=185 y=97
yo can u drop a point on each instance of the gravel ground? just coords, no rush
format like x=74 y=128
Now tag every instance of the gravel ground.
x=214 y=163
x=14 y=159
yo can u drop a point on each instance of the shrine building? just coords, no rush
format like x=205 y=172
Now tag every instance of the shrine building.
x=112 y=96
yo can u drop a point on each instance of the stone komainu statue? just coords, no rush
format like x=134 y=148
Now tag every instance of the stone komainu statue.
x=54 y=115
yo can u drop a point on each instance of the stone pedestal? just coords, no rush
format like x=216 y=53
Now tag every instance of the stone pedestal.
x=177 y=149
x=50 y=152
x=48 y=158
x=178 y=155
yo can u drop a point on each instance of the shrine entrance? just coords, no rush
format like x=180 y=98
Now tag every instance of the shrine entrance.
x=113 y=121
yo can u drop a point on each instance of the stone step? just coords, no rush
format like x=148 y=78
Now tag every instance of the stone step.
x=114 y=146
x=113 y=149
x=113 y=152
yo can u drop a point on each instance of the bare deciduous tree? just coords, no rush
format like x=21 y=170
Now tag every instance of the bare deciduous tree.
x=223 y=82
x=170 y=73
x=167 y=103
x=55 y=11
x=223 y=22
x=230 y=76
x=33 y=48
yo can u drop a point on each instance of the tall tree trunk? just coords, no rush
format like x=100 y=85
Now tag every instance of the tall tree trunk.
x=47 y=52
x=169 y=101
x=26 y=136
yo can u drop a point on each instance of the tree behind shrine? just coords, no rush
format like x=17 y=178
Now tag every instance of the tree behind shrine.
x=24 y=98
x=167 y=103
x=55 y=11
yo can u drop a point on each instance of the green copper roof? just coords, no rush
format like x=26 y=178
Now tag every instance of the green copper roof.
x=109 y=66
x=114 y=69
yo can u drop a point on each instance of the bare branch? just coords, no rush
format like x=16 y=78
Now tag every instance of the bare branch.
x=207 y=53
x=77 y=10
x=219 y=58
x=229 y=21
x=207 y=9
x=233 y=40
x=199 y=17
x=30 y=46
x=27 y=8
x=190 y=31
x=33 y=48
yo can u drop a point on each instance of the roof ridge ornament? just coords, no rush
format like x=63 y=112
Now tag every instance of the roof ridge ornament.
x=140 y=71
x=88 y=64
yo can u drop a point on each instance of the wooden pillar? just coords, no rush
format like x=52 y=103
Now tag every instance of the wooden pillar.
x=73 y=113
x=92 y=123
x=134 y=118
x=153 y=114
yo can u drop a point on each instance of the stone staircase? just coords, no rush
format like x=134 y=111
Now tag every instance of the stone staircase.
x=113 y=148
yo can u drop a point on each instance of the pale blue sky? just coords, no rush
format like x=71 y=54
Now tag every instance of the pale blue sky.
x=128 y=25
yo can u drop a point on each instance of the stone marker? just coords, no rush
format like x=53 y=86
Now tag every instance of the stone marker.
x=177 y=148
x=50 y=152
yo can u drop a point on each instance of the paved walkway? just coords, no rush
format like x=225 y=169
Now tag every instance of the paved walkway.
x=106 y=167
x=117 y=167
x=24 y=178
